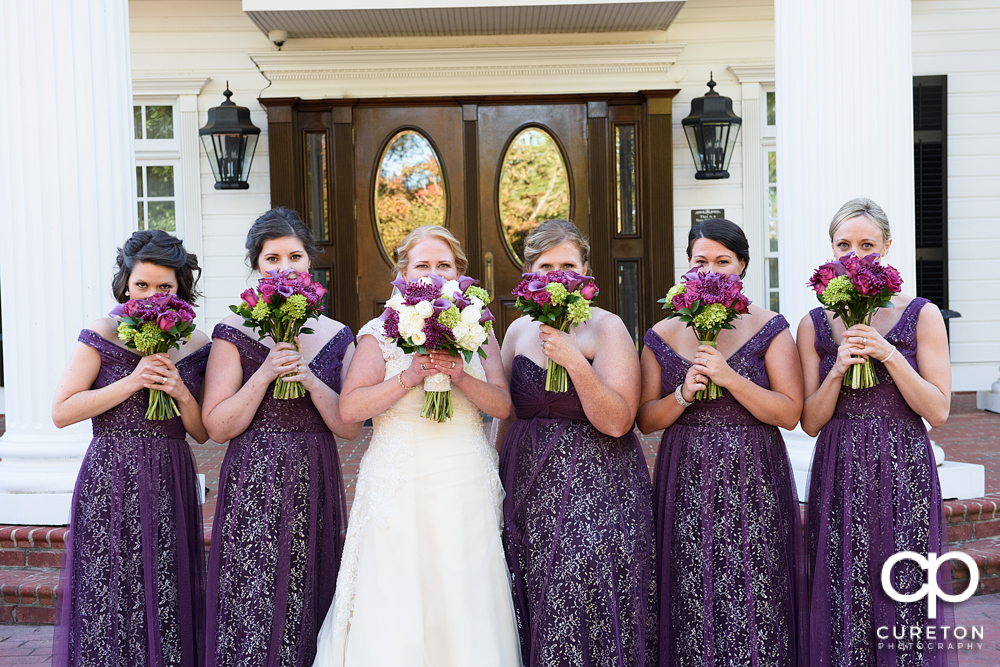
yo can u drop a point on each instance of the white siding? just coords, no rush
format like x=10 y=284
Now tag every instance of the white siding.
x=961 y=38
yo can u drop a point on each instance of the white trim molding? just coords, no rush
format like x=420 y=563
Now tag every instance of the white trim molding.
x=168 y=86
x=491 y=70
x=754 y=71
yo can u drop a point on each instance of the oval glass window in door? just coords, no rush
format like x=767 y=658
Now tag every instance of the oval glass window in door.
x=409 y=189
x=534 y=186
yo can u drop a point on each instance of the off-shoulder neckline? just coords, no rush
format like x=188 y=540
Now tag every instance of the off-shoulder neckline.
x=267 y=350
x=730 y=357
x=139 y=356
x=890 y=332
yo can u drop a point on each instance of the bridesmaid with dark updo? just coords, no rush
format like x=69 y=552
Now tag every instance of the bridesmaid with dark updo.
x=133 y=583
x=280 y=517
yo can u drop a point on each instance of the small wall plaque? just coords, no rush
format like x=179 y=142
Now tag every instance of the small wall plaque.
x=701 y=214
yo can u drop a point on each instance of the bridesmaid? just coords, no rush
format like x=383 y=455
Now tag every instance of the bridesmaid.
x=578 y=515
x=280 y=516
x=133 y=582
x=729 y=533
x=874 y=488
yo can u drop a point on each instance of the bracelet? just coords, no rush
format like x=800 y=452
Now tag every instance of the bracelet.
x=680 y=397
x=889 y=356
x=400 y=378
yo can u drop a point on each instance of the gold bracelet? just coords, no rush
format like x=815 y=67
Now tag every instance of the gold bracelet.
x=400 y=378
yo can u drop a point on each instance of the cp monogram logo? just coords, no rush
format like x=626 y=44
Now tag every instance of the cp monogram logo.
x=931 y=589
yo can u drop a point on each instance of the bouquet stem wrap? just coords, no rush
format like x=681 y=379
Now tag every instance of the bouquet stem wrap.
x=437 y=398
x=556 y=378
x=711 y=391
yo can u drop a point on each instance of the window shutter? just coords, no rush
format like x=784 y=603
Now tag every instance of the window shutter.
x=930 y=179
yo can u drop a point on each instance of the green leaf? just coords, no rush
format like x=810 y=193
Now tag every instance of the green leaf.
x=467 y=355
x=482 y=352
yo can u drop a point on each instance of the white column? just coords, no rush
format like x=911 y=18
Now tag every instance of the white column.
x=844 y=84
x=67 y=201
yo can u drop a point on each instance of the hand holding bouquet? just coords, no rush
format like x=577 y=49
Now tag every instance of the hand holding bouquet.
x=560 y=299
x=854 y=288
x=437 y=314
x=708 y=302
x=278 y=308
x=151 y=326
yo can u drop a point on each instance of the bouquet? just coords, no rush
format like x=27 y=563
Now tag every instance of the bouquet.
x=560 y=299
x=154 y=325
x=437 y=314
x=279 y=308
x=854 y=288
x=708 y=302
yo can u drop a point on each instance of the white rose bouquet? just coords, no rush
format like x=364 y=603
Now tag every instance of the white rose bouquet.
x=437 y=314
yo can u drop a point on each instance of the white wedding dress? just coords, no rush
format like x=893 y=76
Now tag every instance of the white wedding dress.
x=423 y=580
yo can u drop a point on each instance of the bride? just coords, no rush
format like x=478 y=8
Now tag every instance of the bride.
x=423 y=579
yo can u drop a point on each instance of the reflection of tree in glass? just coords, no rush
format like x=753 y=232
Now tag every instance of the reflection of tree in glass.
x=160 y=122
x=409 y=191
x=161 y=216
x=533 y=186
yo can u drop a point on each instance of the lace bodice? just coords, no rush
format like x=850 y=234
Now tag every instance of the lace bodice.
x=748 y=361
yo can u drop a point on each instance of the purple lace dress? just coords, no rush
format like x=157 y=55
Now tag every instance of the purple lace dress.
x=731 y=570
x=279 y=523
x=873 y=491
x=133 y=581
x=578 y=532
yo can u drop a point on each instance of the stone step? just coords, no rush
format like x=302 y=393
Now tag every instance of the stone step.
x=28 y=596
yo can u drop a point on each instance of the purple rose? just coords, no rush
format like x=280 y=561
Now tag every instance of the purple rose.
x=267 y=290
x=249 y=297
x=541 y=297
x=305 y=279
x=741 y=305
x=167 y=320
x=589 y=291
x=822 y=276
x=893 y=281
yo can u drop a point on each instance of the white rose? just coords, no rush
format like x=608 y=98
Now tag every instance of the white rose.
x=409 y=321
x=395 y=302
x=424 y=309
x=471 y=315
x=418 y=338
x=426 y=280
x=470 y=337
x=477 y=302
x=450 y=288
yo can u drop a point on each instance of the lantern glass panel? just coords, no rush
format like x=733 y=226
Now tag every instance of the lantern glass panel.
x=732 y=131
x=249 y=145
x=208 y=142
x=693 y=133
x=715 y=137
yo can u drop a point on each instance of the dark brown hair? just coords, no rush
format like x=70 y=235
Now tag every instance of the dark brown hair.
x=278 y=223
x=723 y=231
x=155 y=246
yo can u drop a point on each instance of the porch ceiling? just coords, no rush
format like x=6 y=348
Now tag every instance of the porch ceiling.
x=427 y=18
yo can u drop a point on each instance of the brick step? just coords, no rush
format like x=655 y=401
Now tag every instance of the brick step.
x=28 y=596
x=32 y=547
x=974 y=519
x=986 y=553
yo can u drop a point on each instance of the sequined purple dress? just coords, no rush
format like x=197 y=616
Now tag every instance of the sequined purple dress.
x=731 y=571
x=873 y=491
x=578 y=532
x=132 y=590
x=279 y=523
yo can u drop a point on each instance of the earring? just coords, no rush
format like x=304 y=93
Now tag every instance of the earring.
x=126 y=293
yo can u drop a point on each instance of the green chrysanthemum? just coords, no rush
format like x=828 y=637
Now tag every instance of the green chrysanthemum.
x=679 y=288
x=126 y=331
x=260 y=311
x=295 y=307
x=579 y=310
x=147 y=338
x=451 y=317
x=479 y=293
x=557 y=293
x=838 y=290
x=711 y=317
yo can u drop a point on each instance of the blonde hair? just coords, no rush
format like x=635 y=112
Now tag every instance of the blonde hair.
x=862 y=206
x=548 y=235
x=437 y=232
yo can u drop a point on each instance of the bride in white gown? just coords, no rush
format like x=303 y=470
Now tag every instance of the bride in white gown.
x=423 y=580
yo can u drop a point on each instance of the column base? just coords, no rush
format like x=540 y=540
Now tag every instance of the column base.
x=988 y=400
x=35 y=509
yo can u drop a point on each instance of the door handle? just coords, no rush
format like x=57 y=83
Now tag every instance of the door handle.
x=488 y=278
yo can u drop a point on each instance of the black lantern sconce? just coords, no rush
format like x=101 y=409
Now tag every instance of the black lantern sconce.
x=711 y=129
x=230 y=140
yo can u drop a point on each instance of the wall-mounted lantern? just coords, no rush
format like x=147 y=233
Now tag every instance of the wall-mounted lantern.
x=230 y=140
x=711 y=129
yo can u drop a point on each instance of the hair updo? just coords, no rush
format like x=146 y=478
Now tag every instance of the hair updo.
x=155 y=246
x=438 y=233
x=862 y=206
x=278 y=223
x=723 y=231
x=551 y=233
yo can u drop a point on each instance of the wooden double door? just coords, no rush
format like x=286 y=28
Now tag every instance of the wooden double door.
x=329 y=160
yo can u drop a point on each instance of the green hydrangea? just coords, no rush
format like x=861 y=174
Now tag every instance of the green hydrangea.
x=260 y=311
x=451 y=317
x=294 y=307
x=126 y=331
x=838 y=290
x=488 y=326
x=479 y=293
x=557 y=293
x=147 y=338
x=578 y=311
x=679 y=288
x=712 y=316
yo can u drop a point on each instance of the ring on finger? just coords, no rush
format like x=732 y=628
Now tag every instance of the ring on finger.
x=423 y=367
x=453 y=364
x=864 y=341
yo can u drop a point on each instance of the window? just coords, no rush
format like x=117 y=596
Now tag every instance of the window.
x=158 y=185
x=770 y=156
